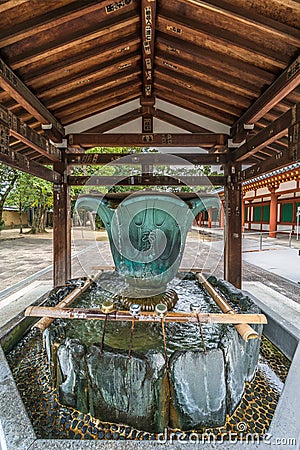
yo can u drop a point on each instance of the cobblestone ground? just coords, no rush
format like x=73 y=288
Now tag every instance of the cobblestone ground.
x=32 y=256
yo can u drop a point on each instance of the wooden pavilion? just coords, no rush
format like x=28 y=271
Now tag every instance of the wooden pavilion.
x=222 y=76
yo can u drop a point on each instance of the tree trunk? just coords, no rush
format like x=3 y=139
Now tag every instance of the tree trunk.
x=20 y=215
x=38 y=223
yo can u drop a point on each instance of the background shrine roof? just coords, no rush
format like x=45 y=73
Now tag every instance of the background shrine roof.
x=196 y=65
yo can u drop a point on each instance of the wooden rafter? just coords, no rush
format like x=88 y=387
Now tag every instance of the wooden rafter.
x=210 y=36
x=257 y=22
x=146 y=180
x=179 y=122
x=269 y=134
x=11 y=4
x=205 y=73
x=282 y=86
x=114 y=64
x=116 y=122
x=210 y=57
x=190 y=104
x=216 y=99
x=59 y=70
x=89 y=140
x=49 y=20
x=110 y=24
x=27 y=165
x=31 y=138
x=21 y=162
x=109 y=102
x=267 y=165
x=20 y=92
x=95 y=103
x=87 y=90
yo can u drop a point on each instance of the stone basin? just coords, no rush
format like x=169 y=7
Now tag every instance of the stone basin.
x=196 y=391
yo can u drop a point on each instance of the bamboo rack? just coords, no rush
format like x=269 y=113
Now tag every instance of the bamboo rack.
x=118 y=316
x=243 y=329
x=46 y=321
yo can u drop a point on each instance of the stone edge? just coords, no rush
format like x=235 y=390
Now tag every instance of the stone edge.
x=16 y=431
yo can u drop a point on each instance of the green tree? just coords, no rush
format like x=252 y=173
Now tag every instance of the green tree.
x=8 y=178
x=33 y=192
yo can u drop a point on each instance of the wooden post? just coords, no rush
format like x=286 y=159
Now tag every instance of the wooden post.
x=273 y=212
x=243 y=215
x=221 y=215
x=209 y=217
x=61 y=230
x=233 y=228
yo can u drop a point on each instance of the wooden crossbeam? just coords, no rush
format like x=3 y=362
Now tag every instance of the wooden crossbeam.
x=146 y=180
x=282 y=86
x=267 y=135
x=20 y=92
x=276 y=162
x=144 y=158
x=21 y=162
x=89 y=140
x=145 y=316
x=28 y=136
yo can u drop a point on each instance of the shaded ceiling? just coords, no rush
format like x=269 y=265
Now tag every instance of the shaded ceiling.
x=213 y=58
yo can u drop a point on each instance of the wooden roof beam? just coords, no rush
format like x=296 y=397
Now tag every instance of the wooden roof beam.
x=52 y=19
x=248 y=17
x=194 y=106
x=175 y=45
x=267 y=135
x=220 y=102
x=20 y=92
x=54 y=72
x=28 y=136
x=92 y=102
x=10 y=4
x=143 y=158
x=282 y=86
x=212 y=36
x=95 y=87
x=89 y=140
x=116 y=122
x=179 y=122
x=148 y=19
x=111 y=24
x=102 y=105
x=146 y=180
x=19 y=161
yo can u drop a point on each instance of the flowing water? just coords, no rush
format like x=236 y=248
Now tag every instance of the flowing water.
x=51 y=419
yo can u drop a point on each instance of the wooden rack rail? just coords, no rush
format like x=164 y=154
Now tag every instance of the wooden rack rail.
x=118 y=316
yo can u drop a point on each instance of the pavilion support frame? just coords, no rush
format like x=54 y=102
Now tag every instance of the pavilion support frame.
x=61 y=229
x=233 y=227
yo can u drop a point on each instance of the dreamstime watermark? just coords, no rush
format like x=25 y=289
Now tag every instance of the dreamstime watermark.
x=230 y=437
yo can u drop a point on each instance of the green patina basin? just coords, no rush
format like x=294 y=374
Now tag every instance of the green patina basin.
x=147 y=232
